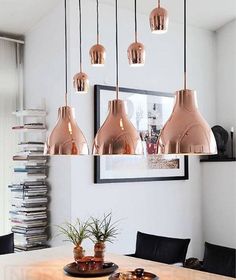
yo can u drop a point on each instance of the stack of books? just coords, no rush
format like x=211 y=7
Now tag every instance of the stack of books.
x=28 y=214
x=30 y=126
x=32 y=152
x=29 y=192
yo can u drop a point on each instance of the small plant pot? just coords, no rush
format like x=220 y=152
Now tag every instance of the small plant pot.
x=90 y=263
x=85 y=264
x=99 y=251
x=78 y=253
x=98 y=263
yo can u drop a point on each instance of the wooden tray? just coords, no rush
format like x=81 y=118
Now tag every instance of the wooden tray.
x=108 y=268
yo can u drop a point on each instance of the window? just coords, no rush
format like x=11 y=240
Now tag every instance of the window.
x=9 y=102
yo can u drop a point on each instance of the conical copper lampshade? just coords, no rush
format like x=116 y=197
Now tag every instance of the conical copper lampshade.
x=159 y=20
x=66 y=138
x=186 y=131
x=136 y=54
x=97 y=55
x=117 y=136
x=81 y=83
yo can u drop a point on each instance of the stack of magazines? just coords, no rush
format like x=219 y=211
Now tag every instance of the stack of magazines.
x=29 y=214
x=29 y=197
x=30 y=126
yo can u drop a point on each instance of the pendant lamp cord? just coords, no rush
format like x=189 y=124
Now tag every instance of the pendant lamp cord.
x=117 y=54
x=185 y=44
x=159 y=3
x=135 y=21
x=66 y=51
x=80 y=35
x=97 y=22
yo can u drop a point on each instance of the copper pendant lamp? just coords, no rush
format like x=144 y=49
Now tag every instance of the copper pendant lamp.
x=97 y=52
x=80 y=80
x=66 y=137
x=159 y=20
x=136 y=51
x=117 y=136
x=186 y=131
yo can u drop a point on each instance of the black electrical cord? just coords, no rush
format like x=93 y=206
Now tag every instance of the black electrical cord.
x=135 y=21
x=117 y=53
x=97 y=22
x=80 y=35
x=185 y=44
x=66 y=52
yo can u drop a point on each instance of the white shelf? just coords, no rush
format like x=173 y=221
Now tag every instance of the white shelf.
x=30 y=129
x=30 y=113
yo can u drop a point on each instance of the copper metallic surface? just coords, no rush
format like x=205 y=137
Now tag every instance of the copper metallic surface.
x=97 y=55
x=159 y=20
x=136 y=54
x=81 y=83
x=186 y=131
x=66 y=138
x=117 y=136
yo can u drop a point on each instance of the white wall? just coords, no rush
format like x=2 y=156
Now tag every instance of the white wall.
x=226 y=73
x=219 y=179
x=165 y=208
x=219 y=200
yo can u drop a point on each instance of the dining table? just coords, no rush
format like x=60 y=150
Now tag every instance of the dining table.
x=47 y=264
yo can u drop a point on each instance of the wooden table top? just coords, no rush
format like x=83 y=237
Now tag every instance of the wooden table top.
x=48 y=264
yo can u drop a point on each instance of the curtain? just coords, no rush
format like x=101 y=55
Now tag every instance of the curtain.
x=9 y=85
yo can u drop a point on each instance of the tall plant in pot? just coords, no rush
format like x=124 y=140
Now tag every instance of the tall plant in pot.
x=76 y=234
x=102 y=231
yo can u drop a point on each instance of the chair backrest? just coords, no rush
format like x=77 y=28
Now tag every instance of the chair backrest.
x=7 y=244
x=219 y=260
x=161 y=249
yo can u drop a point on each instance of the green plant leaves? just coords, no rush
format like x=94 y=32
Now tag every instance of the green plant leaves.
x=97 y=230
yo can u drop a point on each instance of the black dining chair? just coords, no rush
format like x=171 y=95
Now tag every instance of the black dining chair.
x=161 y=249
x=7 y=244
x=219 y=260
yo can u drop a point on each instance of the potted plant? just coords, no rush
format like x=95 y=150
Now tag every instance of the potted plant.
x=76 y=233
x=102 y=231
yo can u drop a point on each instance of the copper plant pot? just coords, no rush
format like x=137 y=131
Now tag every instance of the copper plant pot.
x=78 y=253
x=99 y=250
x=90 y=263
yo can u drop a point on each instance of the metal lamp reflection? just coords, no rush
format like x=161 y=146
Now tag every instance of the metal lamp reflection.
x=81 y=83
x=159 y=20
x=117 y=136
x=97 y=55
x=136 y=54
x=66 y=138
x=136 y=51
x=186 y=131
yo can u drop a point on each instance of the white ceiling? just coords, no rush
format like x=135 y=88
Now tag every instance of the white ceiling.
x=18 y=16
x=208 y=14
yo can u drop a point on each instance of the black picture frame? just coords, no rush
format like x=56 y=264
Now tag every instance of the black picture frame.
x=97 y=165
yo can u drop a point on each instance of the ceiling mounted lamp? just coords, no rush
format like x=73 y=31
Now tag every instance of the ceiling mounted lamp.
x=159 y=20
x=66 y=138
x=80 y=80
x=136 y=51
x=97 y=52
x=186 y=131
x=117 y=136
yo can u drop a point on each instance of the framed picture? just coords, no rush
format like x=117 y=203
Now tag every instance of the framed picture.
x=148 y=111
